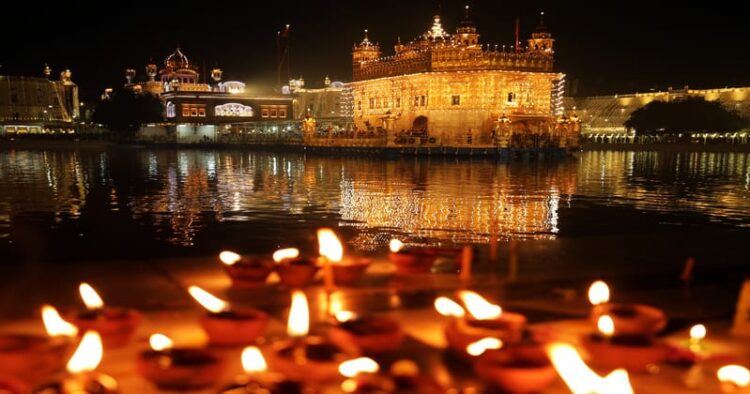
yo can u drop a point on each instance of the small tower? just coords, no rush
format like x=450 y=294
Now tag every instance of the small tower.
x=130 y=76
x=151 y=72
x=541 y=40
x=365 y=50
x=47 y=71
x=216 y=74
x=466 y=32
x=327 y=82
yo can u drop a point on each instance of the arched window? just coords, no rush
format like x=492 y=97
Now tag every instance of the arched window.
x=170 y=110
x=233 y=110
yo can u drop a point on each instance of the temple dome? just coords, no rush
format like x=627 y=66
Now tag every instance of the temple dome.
x=177 y=60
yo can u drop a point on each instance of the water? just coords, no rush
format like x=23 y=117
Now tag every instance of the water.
x=62 y=205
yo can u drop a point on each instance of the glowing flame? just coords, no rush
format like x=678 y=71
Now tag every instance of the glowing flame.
x=344 y=316
x=329 y=245
x=160 y=342
x=229 y=258
x=606 y=325
x=395 y=245
x=299 y=316
x=479 y=347
x=283 y=254
x=697 y=332
x=253 y=360
x=55 y=324
x=478 y=307
x=734 y=374
x=88 y=355
x=90 y=297
x=447 y=307
x=580 y=378
x=208 y=300
x=352 y=368
x=598 y=293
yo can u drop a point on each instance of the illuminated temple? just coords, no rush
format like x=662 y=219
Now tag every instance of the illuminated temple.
x=448 y=89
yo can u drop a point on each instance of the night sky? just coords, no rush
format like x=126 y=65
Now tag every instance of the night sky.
x=605 y=46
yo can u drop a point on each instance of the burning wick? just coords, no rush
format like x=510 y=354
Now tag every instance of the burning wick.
x=606 y=326
x=90 y=297
x=284 y=254
x=160 y=342
x=55 y=325
x=352 y=368
x=598 y=293
x=208 y=300
x=697 y=333
x=580 y=379
x=229 y=258
x=479 y=307
x=253 y=362
x=733 y=378
x=479 y=347
x=447 y=307
x=395 y=245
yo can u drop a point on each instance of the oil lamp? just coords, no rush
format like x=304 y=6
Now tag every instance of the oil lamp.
x=246 y=272
x=520 y=368
x=337 y=268
x=225 y=326
x=483 y=319
x=580 y=379
x=303 y=357
x=630 y=351
x=178 y=368
x=258 y=380
x=635 y=319
x=115 y=325
x=294 y=271
x=82 y=377
x=30 y=357
x=411 y=260
x=366 y=334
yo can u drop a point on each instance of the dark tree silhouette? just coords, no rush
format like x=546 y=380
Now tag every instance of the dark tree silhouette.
x=125 y=111
x=686 y=116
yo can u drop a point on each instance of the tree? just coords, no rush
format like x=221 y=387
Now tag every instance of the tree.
x=691 y=115
x=125 y=111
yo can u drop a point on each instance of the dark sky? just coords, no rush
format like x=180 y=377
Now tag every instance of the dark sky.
x=607 y=46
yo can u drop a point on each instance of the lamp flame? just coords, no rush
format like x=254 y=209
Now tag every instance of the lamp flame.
x=90 y=297
x=299 y=316
x=345 y=316
x=734 y=374
x=352 y=368
x=479 y=347
x=580 y=378
x=606 y=325
x=88 y=355
x=329 y=245
x=283 y=254
x=697 y=332
x=396 y=245
x=479 y=307
x=447 y=307
x=253 y=360
x=208 y=300
x=55 y=325
x=598 y=293
x=160 y=342
x=229 y=258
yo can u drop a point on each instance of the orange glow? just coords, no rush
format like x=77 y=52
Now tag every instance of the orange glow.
x=580 y=378
x=253 y=360
x=283 y=254
x=479 y=347
x=395 y=245
x=160 y=342
x=329 y=245
x=208 y=300
x=299 y=316
x=90 y=297
x=479 y=307
x=598 y=293
x=229 y=258
x=352 y=368
x=88 y=355
x=55 y=325
x=606 y=325
x=447 y=307
x=697 y=333
x=734 y=374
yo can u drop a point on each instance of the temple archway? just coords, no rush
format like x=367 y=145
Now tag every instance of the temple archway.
x=419 y=124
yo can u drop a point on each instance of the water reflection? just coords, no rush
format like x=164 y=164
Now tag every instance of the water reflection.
x=211 y=199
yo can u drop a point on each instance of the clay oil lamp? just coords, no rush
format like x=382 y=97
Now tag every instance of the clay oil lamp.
x=82 y=377
x=178 y=368
x=523 y=368
x=115 y=325
x=294 y=271
x=257 y=379
x=302 y=357
x=229 y=327
x=366 y=334
x=483 y=320
x=734 y=379
x=634 y=319
x=246 y=272
x=337 y=268
x=411 y=260
x=630 y=351
x=29 y=357
x=580 y=379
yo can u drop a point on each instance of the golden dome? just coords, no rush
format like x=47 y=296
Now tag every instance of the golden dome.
x=177 y=60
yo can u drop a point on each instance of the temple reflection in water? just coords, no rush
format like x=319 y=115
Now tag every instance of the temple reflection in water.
x=260 y=200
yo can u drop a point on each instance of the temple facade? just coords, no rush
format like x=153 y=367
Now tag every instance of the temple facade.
x=449 y=89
